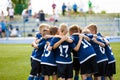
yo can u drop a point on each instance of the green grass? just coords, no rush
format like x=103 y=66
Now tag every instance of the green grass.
x=15 y=61
x=116 y=51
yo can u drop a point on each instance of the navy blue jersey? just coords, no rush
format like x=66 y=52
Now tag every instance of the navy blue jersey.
x=75 y=53
x=38 y=52
x=109 y=54
x=100 y=51
x=48 y=57
x=99 y=34
x=38 y=36
x=86 y=51
x=108 y=51
x=63 y=52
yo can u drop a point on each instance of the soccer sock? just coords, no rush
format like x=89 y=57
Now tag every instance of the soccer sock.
x=31 y=77
x=41 y=78
x=76 y=77
x=102 y=78
x=89 y=78
x=37 y=78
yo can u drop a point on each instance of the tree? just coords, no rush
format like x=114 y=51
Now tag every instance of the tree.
x=20 y=5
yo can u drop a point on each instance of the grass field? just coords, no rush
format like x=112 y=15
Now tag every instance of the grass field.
x=15 y=61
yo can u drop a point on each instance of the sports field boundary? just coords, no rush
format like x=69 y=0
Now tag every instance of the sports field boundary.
x=28 y=40
x=17 y=40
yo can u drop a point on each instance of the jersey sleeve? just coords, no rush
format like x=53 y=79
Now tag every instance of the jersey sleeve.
x=53 y=41
x=99 y=34
x=38 y=36
x=41 y=44
x=72 y=37
x=72 y=45
x=89 y=35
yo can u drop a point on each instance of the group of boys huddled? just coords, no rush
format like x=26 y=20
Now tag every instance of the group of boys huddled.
x=57 y=53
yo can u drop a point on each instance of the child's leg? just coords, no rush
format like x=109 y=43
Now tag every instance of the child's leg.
x=54 y=77
x=83 y=77
x=62 y=78
x=76 y=77
x=89 y=77
x=111 y=78
x=69 y=79
x=98 y=78
x=46 y=77
x=33 y=71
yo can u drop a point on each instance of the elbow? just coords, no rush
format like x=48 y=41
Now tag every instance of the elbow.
x=76 y=49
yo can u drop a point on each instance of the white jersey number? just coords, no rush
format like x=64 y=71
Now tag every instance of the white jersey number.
x=85 y=44
x=46 y=51
x=102 y=49
x=65 y=51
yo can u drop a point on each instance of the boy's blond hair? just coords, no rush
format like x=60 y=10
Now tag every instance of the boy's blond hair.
x=43 y=26
x=92 y=27
x=86 y=31
x=63 y=27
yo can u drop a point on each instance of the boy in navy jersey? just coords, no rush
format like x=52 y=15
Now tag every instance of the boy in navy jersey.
x=111 y=60
x=49 y=67
x=99 y=47
x=86 y=54
x=76 y=64
x=63 y=47
x=38 y=35
x=37 y=52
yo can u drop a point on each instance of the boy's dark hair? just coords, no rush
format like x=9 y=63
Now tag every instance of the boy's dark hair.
x=74 y=29
x=53 y=30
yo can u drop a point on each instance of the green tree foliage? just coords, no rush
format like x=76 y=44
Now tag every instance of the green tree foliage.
x=20 y=5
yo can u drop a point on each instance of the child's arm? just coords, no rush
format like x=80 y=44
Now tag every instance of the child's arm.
x=47 y=36
x=107 y=42
x=59 y=42
x=34 y=45
x=79 y=43
x=86 y=37
x=38 y=40
x=69 y=40
x=98 y=42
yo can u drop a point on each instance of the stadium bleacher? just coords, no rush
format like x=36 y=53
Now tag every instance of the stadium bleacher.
x=108 y=26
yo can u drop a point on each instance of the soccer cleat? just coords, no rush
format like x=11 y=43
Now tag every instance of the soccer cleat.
x=30 y=78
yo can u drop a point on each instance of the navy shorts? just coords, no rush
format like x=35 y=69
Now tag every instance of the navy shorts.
x=65 y=70
x=102 y=69
x=36 y=68
x=111 y=69
x=89 y=66
x=49 y=70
